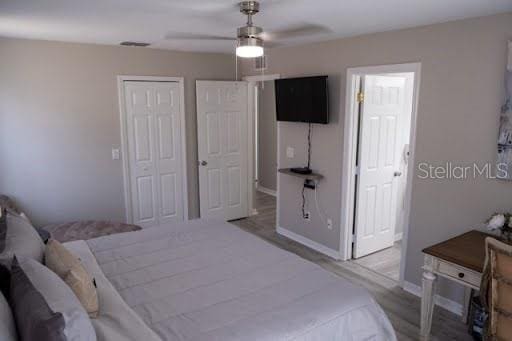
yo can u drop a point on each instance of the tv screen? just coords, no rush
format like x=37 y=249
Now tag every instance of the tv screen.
x=302 y=99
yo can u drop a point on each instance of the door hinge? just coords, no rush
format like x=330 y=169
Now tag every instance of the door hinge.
x=360 y=97
x=356 y=170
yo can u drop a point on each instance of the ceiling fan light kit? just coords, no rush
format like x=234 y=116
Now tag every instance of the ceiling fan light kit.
x=249 y=48
x=249 y=43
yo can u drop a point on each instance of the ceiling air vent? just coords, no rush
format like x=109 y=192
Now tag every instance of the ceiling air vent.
x=260 y=63
x=134 y=43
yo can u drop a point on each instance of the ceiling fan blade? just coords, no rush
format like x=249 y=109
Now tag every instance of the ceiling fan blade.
x=296 y=31
x=194 y=36
x=270 y=44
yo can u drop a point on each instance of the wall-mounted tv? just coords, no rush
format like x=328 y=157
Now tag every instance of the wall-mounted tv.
x=302 y=99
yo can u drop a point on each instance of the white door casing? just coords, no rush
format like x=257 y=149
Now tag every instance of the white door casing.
x=382 y=112
x=154 y=131
x=222 y=130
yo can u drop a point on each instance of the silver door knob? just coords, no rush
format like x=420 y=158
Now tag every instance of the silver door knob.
x=397 y=174
x=203 y=163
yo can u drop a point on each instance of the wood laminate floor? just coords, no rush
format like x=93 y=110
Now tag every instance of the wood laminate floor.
x=402 y=308
x=385 y=262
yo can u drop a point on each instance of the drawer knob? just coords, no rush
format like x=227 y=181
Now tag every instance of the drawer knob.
x=461 y=275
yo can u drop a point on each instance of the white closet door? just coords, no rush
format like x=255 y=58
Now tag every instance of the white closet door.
x=382 y=111
x=155 y=151
x=222 y=111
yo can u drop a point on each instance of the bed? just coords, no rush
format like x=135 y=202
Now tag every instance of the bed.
x=204 y=280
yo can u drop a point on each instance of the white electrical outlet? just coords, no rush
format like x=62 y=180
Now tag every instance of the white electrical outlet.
x=290 y=152
x=329 y=224
x=307 y=216
x=115 y=154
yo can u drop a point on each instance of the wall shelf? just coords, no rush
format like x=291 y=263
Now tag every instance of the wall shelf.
x=312 y=176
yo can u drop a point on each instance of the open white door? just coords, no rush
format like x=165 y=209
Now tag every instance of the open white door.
x=382 y=117
x=154 y=124
x=222 y=133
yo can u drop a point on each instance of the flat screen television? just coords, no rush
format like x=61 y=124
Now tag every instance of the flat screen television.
x=302 y=99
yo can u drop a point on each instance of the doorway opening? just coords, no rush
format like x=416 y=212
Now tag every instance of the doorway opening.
x=265 y=133
x=263 y=162
x=378 y=156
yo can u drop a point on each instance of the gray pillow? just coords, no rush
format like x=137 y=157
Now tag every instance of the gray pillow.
x=44 y=307
x=18 y=237
x=9 y=205
x=7 y=326
x=3 y=228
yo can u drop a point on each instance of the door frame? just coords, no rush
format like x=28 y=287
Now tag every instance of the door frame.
x=124 y=140
x=251 y=99
x=348 y=185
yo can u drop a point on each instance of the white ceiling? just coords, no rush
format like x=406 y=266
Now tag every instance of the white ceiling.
x=113 y=21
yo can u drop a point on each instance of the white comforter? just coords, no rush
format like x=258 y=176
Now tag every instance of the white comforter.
x=212 y=281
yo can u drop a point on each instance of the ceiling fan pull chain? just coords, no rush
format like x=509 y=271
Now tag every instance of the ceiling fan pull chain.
x=263 y=74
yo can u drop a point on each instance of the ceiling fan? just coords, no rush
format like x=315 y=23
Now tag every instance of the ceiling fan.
x=251 y=39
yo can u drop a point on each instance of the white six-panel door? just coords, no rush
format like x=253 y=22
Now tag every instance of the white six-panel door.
x=153 y=123
x=382 y=112
x=222 y=111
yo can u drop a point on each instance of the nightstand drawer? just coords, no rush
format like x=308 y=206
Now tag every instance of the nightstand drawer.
x=459 y=273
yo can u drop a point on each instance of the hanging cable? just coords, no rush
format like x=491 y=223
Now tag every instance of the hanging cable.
x=320 y=213
x=303 y=203
x=309 y=146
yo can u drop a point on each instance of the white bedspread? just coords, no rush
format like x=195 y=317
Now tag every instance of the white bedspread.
x=212 y=281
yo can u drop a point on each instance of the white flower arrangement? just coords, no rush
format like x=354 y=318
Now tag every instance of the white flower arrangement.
x=501 y=222
x=496 y=222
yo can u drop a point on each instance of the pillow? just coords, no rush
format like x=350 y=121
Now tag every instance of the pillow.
x=19 y=237
x=5 y=280
x=3 y=228
x=7 y=326
x=9 y=205
x=44 y=307
x=45 y=235
x=65 y=264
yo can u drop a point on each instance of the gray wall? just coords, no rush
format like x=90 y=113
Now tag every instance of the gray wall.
x=59 y=120
x=267 y=137
x=463 y=65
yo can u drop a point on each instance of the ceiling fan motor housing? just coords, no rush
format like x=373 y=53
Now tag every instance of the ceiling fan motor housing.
x=249 y=32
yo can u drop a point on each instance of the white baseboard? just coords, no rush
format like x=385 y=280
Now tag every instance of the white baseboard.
x=309 y=243
x=398 y=236
x=267 y=191
x=444 y=302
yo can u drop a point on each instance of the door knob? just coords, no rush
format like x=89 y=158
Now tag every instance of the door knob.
x=397 y=174
x=203 y=163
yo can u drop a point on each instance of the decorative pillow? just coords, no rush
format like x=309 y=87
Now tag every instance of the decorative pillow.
x=44 y=307
x=20 y=238
x=3 y=228
x=45 y=235
x=5 y=280
x=9 y=205
x=7 y=326
x=65 y=264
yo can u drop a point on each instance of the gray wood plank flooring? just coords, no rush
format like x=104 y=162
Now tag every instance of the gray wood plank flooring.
x=385 y=262
x=402 y=308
